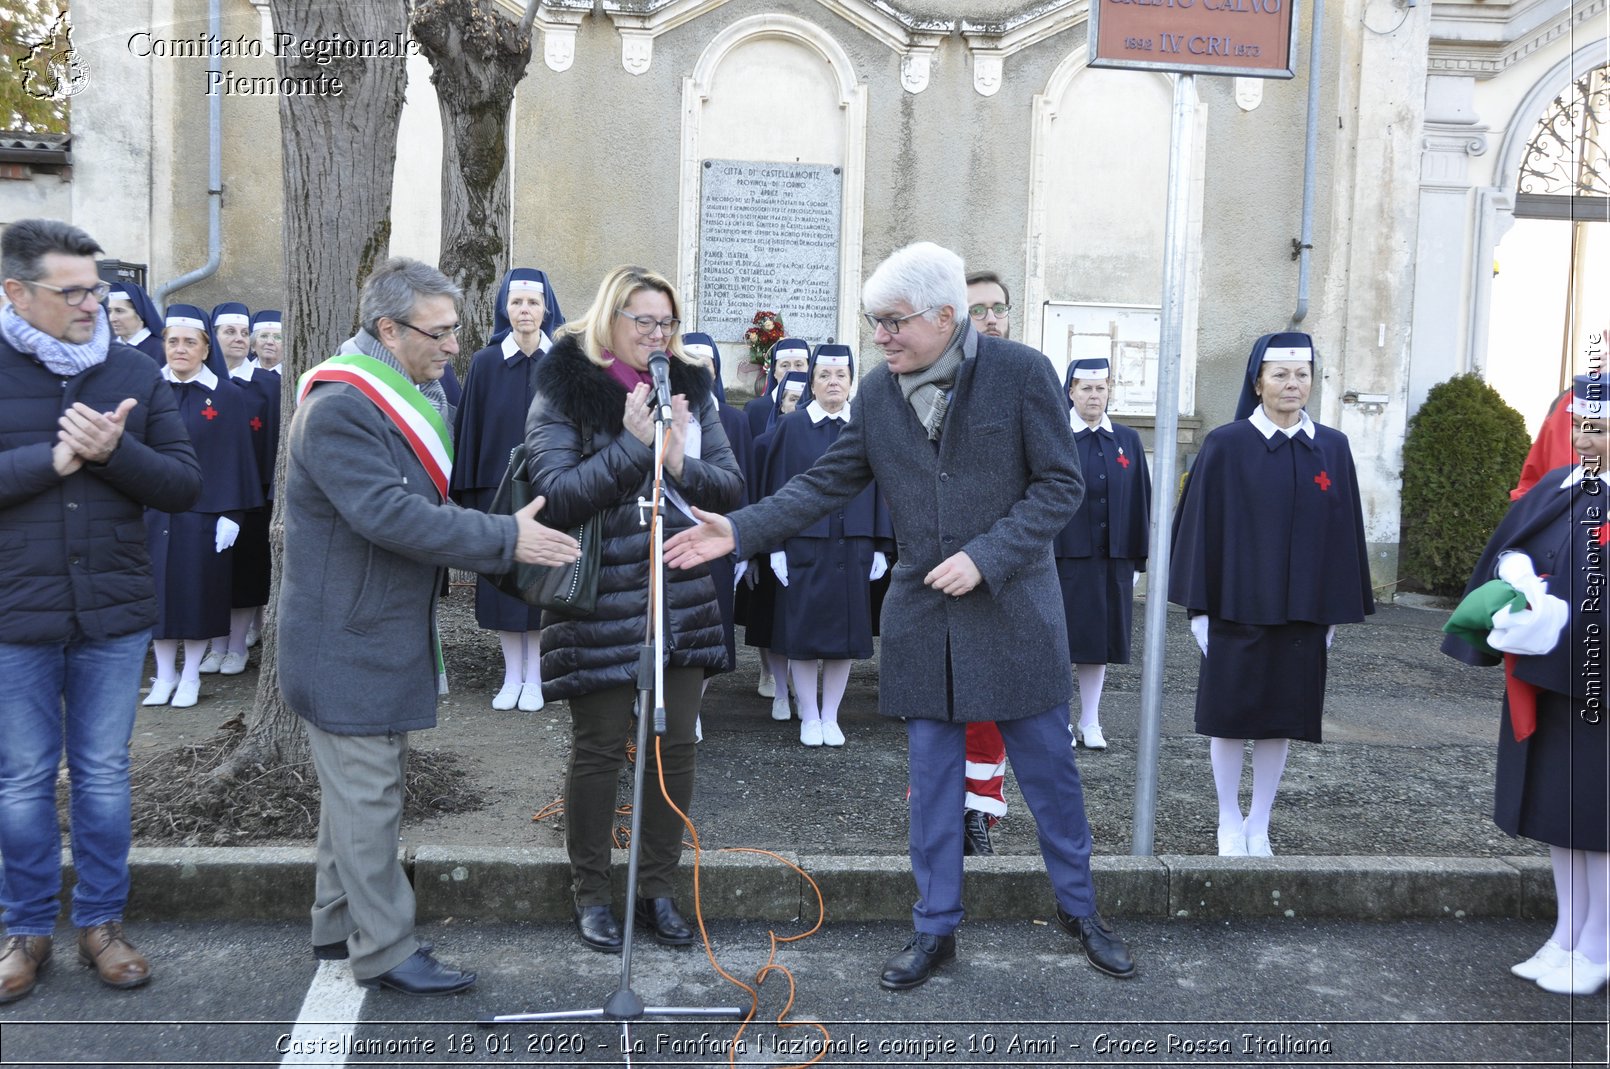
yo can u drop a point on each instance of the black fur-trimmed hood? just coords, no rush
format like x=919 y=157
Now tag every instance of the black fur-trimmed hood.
x=590 y=397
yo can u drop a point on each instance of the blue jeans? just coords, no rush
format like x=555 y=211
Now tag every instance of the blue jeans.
x=83 y=691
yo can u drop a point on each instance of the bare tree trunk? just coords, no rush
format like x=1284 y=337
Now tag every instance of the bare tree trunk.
x=338 y=154
x=477 y=58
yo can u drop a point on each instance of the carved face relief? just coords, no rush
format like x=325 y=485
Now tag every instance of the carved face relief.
x=636 y=54
x=987 y=74
x=559 y=49
x=914 y=72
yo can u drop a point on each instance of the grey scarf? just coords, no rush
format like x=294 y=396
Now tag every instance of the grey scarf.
x=369 y=345
x=59 y=357
x=928 y=390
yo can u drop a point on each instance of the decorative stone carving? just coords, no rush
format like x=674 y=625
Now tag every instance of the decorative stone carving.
x=1448 y=148
x=914 y=69
x=559 y=47
x=988 y=65
x=1248 y=93
x=637 y=50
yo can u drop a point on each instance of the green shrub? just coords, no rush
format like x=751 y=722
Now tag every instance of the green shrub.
x=1463 y=454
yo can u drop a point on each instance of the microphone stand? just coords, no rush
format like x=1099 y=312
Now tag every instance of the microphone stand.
x=625 y=1005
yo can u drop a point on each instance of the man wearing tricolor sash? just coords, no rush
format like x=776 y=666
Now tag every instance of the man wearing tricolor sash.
x=368 y=528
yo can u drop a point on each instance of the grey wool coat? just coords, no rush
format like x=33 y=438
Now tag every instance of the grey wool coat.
x=1003 y=480
x=366 y=537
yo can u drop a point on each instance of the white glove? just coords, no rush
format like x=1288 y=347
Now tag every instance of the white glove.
x=779 y=566
x=880 y=564
x=1535 y=630
x=225 y=536
x=1134 y=581
x=738 y=573
x=1330 y=634
x=1199 y=629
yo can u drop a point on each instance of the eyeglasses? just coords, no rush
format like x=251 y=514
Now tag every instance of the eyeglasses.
x=450 y=332
x=74 y=295
x=978 y=311
x=647 y=325
x=890 y=323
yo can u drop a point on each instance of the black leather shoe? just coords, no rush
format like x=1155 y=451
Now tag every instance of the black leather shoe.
x=975 y=834
x=598 y=928
x=913 y=965
x=659 y=916
x=1105 y=950
x=422 y=974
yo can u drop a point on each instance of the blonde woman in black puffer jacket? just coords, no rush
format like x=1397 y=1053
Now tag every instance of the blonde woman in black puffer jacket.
x=589 y=439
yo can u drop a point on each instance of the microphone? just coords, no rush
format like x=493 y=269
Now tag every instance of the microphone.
x=659 y=365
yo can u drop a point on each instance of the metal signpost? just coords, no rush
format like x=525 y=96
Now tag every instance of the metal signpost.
x=1235 y=38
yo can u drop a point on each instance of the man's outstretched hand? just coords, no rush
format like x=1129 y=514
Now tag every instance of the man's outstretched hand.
x=711 y=539
x=537 y=544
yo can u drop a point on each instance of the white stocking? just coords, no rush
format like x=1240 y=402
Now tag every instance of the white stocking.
x=835 y=678
x=1091 y=679
x=533 y=657
x=240 y=621
x=804 y=673
x=194 y=650
x=1591 y=943
x=779 y=669
x=1268 y=763
x=513 y=644
x=1227 y=755
x=165 y=651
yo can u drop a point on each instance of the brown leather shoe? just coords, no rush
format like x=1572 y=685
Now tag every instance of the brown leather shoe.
x=21 y=958
x=114 y=957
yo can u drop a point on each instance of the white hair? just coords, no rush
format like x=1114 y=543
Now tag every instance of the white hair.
x=924 y=275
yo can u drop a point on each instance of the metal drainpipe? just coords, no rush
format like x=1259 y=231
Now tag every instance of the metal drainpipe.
x=215 y=181
x=1303 y=247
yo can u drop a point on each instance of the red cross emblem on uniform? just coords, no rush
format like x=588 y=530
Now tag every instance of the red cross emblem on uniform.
x=1123 y=461
x=1323 y=480
x=257 y=424
x=1602 y=533
x=210 y=412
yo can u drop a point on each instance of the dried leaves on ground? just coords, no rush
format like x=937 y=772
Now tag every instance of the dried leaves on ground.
x=178 y=800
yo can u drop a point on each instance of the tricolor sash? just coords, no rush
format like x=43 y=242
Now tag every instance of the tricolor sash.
x=421 y=425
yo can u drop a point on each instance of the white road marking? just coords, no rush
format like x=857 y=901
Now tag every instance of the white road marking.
x=328 y=1018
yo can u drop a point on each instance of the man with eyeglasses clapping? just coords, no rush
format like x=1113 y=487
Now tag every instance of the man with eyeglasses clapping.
x=91 y=439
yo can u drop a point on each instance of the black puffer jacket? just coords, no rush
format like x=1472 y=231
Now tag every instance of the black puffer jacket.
x=73 y=560
x=575 y=398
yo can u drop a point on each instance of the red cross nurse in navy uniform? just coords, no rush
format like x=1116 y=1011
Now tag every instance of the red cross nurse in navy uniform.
x=1268 y=558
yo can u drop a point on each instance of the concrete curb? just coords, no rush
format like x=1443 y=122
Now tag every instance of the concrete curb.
x=503 y=885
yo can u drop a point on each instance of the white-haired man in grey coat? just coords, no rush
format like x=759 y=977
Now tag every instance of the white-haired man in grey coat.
x=967 y=436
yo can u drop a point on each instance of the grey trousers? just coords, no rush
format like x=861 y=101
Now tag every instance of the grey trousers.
x=360 y=892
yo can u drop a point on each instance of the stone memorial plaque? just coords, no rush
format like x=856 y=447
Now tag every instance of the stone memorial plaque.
x=769 y=239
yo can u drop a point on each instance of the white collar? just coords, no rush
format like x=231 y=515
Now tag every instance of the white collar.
x=204 y=377
x=511 y=348
x=1577 y=474
x=1267 y=427
x=1078 y=423
x=244 y=371
x=138 y=337
x=818 y=413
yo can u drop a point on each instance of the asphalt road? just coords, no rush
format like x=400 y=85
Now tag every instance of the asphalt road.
x=1344 y=993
